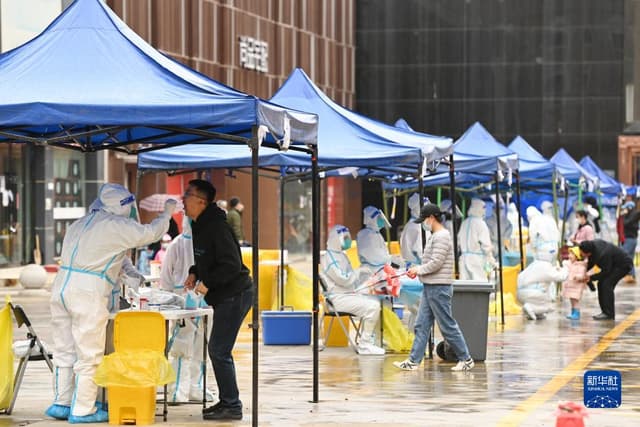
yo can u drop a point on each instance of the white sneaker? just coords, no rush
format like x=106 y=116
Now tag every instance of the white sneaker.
x=464 y=365
x=406 y=365
x=370 y=350
x=528 y=310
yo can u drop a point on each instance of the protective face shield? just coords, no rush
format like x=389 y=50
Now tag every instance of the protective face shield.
x=116 y=199
x=414 y=205
x=345 y=238
x=339 y=238
x=371 y=218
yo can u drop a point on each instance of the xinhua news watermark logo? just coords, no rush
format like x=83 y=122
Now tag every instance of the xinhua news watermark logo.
x=602 y=389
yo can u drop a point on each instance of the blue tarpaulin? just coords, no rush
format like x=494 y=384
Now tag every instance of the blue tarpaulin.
x=90 y=82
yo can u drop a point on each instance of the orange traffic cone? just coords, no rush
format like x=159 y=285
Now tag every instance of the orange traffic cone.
x=570 y=414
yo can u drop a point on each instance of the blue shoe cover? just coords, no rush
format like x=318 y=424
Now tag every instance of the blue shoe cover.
x=99 y=416
x=59 y=412
x=101 y=406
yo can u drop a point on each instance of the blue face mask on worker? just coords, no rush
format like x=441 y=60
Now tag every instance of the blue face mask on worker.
x=345 y=238
x=380 y=222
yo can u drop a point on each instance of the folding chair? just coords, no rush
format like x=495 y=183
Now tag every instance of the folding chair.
x=330 y=311
x=36 y=351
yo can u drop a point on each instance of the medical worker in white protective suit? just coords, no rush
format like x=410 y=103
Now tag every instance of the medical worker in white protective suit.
x=476 y=251
x=92 y=255
x=185 y=337
x=534 y=282
x=372 y=248
x=445 y=207
x=342 y=282
x=492 y=222
x=411 y=237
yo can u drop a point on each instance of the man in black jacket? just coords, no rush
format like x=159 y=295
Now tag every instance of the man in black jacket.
x=226 y=285
x=614 y=264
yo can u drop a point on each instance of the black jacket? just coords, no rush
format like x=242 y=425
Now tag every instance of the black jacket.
x=217 y=256
x=607 y=256
x=630 y=221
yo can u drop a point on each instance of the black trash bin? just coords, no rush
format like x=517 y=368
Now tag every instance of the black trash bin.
x=470 y=306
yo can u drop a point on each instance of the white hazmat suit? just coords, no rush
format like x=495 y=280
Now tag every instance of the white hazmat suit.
x=411 y=237
x=476 y=251
x=342 y=282
x=186 y=337
x=372 y=248
x=492 y=222
x=92 y=254
x=534 y=282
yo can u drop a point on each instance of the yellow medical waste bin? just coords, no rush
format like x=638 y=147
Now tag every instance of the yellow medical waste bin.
x=336 y=337
x=135 y=405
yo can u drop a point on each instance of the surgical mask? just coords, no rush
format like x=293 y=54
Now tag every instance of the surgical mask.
x=426 y=227
x=133 y=213
x=380 y=222
x=346 y=243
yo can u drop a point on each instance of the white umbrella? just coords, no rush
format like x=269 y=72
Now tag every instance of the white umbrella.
x=155 y=202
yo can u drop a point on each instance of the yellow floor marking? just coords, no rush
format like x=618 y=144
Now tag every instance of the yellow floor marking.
x=569 y=373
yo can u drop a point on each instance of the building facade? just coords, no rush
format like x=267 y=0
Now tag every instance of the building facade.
x=551 y=71
x=253 y=46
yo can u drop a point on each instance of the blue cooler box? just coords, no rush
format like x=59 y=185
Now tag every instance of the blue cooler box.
x=286 y=327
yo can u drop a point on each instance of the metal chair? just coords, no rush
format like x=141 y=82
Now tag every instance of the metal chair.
x=35 y=351
x=330 y=311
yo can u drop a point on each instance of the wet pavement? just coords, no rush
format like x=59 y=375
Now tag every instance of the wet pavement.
x=530 y=367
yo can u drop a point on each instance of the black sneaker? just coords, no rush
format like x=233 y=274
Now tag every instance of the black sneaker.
x=223 y=413
x=212 y=408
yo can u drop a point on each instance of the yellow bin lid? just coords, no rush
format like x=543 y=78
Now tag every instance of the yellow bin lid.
x=139 y=330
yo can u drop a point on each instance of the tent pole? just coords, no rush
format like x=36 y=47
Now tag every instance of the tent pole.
x=554 y=190
x=499 y=248
x=315 y=218
x=281 y=287
x=452 y=184
x=255 y=269
x=564 y=210
x=519 y=207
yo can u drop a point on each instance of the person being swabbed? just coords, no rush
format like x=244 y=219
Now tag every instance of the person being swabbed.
x=186 y=337
x=343 y=283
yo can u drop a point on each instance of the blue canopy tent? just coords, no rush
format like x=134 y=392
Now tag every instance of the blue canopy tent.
x=533 y=169
x=476 y=154
x=572 y=170
x=88 y=82
x=608 y=185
